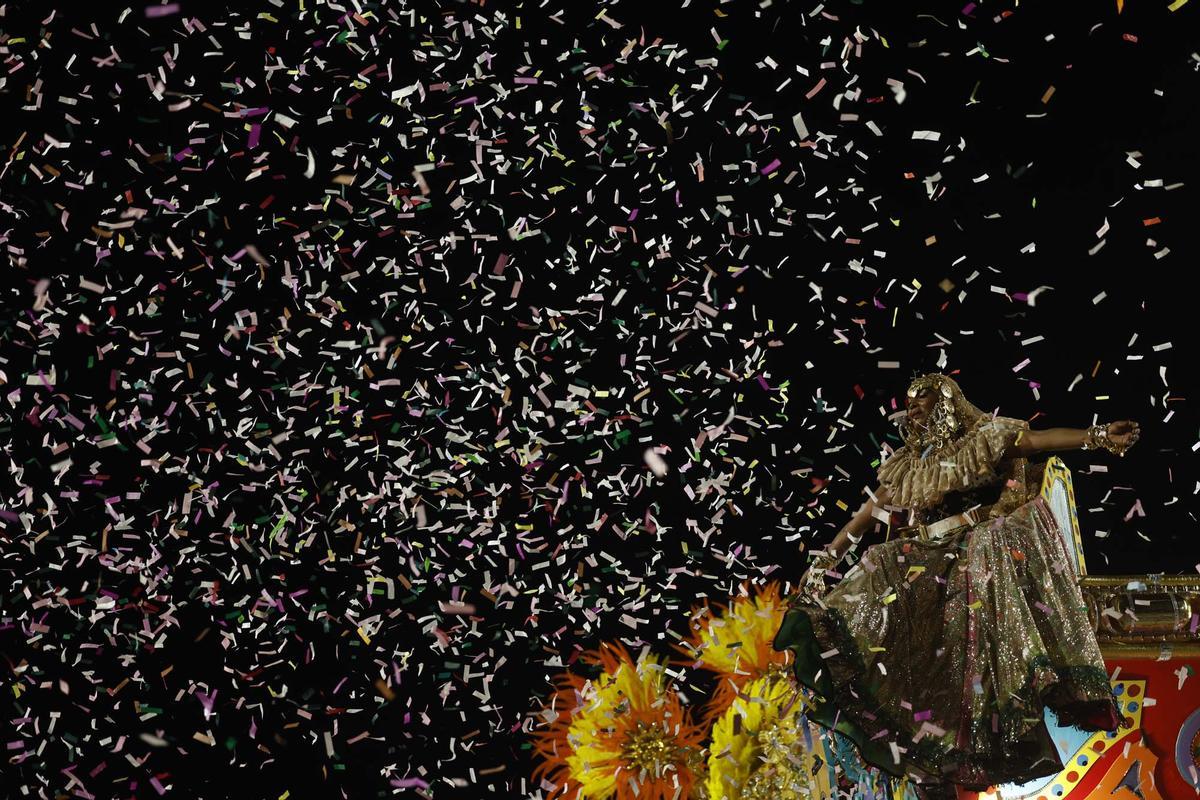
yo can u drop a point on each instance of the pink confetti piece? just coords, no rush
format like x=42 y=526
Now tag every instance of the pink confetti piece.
x=153 y=12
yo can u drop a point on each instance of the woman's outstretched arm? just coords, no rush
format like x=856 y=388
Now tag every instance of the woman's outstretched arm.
x=1121 y=434
x=853 y=531
x=812 y=583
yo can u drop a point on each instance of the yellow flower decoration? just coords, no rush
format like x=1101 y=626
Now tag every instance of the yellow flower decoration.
x=759 y=750
x=624 y=735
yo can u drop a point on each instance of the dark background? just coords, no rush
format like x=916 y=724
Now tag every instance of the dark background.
x=121 y=615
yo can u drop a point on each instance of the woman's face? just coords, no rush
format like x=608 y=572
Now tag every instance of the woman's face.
x=920 y=407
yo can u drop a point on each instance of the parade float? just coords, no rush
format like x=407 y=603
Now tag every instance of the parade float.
x=620 y=727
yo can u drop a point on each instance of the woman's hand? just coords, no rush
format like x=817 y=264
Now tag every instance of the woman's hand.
x=812 y=584
x=1123 y=433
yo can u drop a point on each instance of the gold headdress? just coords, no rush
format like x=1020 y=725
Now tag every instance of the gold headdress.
x=953 y=415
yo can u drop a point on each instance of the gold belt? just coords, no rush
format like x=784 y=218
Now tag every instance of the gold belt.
x=936 y=530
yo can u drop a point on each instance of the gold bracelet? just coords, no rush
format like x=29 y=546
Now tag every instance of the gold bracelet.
x=824 y=562
x=1093 y=435
x=1097 y=437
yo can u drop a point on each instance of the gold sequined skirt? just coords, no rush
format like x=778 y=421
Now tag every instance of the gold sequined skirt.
x=936 y=656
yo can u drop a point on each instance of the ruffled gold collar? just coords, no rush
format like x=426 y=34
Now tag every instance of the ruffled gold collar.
x=968 y=461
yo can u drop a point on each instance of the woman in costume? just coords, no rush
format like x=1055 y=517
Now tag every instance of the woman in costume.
x=938 y=650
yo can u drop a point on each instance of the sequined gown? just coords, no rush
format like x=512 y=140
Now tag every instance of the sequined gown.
x=936 y=657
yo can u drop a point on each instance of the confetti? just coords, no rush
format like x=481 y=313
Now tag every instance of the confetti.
x=164 y=10
x=656 y=463
x=364 y=366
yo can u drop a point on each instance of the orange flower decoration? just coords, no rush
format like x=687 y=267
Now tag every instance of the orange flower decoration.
x=624 y=735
